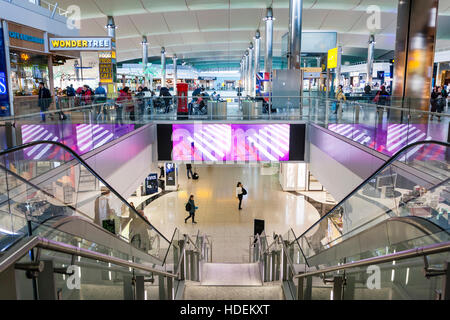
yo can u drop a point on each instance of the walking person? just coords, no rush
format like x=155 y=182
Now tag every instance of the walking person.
x=44 y=99
x=191 y=208
x=189 y=170
x=340 y=96
x=435 y=101
x=240 y=193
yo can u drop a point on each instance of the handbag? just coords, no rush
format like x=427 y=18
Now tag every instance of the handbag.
x=244 y=192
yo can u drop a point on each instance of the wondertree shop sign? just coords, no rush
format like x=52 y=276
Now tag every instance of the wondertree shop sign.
x=81 y=44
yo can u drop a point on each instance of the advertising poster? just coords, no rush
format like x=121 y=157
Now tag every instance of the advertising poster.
x=151 y=184
x=170 y=175
x=4 y=94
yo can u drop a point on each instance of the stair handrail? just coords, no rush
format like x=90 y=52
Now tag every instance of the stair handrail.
x=92 y=171
x=39 y=242
x=401 y=255
x=380 y=169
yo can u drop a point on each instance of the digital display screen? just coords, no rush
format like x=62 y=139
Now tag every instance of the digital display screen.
x=231 y=142
x=81 y=138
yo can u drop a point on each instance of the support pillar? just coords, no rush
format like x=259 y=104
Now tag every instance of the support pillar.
x=370 y=58
x=111 y=28
x=175 y=74
x=257 y=58
x=246 y=67
x=338 y=68
x=163 y=67
x=295 y=34
x=414 y=52
x=250 y=71
x=144 y=44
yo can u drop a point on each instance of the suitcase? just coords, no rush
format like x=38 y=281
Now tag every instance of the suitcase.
x=195 y=176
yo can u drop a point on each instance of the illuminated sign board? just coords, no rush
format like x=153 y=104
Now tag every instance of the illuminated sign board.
x=25 y=37
x=80 y=44
x=4 y=94
x=106 y=66
x=332 y=58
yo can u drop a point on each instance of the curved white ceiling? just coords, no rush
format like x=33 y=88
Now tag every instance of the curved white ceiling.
x=199 y=28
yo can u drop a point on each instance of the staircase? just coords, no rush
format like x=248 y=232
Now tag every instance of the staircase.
x=228 y=281
x=206 y=280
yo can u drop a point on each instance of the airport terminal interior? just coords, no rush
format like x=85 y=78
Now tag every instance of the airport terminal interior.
x=224 y=150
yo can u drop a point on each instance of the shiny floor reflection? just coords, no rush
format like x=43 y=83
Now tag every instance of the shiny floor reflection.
x=218 y=215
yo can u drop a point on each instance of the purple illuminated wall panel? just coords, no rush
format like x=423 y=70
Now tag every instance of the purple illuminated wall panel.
x=81 y=138
x=391 y=138
x=231 y=142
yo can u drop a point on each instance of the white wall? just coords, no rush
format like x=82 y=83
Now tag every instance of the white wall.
x=336 y=178
x=29 y=14
x=126 y=164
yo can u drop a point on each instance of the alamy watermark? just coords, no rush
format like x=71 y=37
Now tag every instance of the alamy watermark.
x=373 y=22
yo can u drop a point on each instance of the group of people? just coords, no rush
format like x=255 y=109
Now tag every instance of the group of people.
x=191 y=208
x=438 y=101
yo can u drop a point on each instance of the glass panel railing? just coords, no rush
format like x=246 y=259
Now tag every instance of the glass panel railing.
x=389 y=193
x=45 y=189
x=394 y=280
x=80 y=278
x=85 y=124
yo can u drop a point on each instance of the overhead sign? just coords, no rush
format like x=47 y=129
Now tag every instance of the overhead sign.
x=80 y=44
x=25 y=37
x=105 y=66
x=332 y=58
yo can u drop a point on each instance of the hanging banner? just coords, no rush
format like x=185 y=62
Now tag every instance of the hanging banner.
x=332 y=58
x=105 y=67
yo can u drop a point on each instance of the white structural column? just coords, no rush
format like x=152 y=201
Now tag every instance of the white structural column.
x=257 y=58
x=370 y=58
x=295 y=34
x=339 y=66
x=163 y=67
x=175 y=74
x=246 y=67
x=250 y=71
x=144 y=44
x=268 y=55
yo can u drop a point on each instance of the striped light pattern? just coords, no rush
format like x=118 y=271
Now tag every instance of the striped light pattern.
x=31 y=133
x=81 y=138
x=392 y=140
x=225 y=142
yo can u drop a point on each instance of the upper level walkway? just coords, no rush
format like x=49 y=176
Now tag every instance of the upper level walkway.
x=84 y=128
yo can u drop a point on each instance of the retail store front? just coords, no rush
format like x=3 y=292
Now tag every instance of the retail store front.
x=30 y=64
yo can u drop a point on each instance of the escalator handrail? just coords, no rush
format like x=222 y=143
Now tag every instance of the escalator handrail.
x=80 y=160
x=384 y=166
x=401 y=255
x=43 y=243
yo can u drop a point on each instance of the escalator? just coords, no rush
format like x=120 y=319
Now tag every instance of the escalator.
x=393 y=218
x=65 y=233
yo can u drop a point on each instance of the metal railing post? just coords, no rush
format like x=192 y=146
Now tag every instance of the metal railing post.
x=162 y=288
x=169 y=292
x=338 y=287
x=446 y=282
x=46 y=282
x=139 y=288
x=300 y=289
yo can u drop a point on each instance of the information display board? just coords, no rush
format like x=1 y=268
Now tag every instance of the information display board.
x=151 y=184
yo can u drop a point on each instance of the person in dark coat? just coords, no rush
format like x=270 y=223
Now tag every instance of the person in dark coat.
x=44 y=99
x=192 y=210
x=189 y=170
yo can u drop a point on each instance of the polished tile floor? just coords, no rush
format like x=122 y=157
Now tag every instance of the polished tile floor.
x=218 y=215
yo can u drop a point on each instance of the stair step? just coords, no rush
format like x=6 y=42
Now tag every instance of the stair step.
x=266 y=292
x=229 y=274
